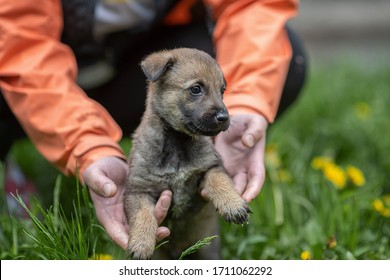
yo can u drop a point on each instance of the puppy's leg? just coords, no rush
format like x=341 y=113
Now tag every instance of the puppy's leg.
x=220 y=189
x=143 y=225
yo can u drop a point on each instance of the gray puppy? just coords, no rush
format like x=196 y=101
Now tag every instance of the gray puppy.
x=172 y=149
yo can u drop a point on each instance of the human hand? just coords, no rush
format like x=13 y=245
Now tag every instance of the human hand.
x=242 y=149
x=106 y=179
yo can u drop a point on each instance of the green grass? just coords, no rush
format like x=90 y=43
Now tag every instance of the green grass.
x=53 y=234
x=342 y=114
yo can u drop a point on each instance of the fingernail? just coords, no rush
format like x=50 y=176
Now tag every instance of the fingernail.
x=163 y=233
x=160 y=236
x=165 y=203
x=107 y=189
x=250 y=140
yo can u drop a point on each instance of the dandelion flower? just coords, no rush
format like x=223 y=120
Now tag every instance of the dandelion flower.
x=305 y=255
x=378 y=206
x=101 y=257
x=331 y=171
x=385 y=212
x=355 y=175
x=382 y=206
x=335 y=175
x=319 y=163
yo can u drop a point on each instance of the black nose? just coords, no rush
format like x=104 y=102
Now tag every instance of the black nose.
x=222 y=116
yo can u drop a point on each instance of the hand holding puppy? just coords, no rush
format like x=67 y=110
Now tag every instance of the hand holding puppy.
x=242 y=150
x=106 y=181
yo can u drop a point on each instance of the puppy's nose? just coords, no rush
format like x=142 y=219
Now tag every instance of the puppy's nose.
x=222 y=116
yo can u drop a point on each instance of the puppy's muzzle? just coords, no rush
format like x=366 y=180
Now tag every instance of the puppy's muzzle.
x=223 y=120
x=219 y=121
x=222 y=117
x=210 y=124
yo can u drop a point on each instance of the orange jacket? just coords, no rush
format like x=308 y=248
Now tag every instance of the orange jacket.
x=38 y=74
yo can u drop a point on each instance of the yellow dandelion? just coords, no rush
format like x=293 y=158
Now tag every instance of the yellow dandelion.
x=355 y=175
x=362 y=110
x=378 y=206
x=305 y=255
x=319 y=163
x=335 y=175
x=382 y=205
x=101 y=257
x=385 y=212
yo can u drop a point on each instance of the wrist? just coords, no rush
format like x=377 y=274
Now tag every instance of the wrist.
x=78 y=164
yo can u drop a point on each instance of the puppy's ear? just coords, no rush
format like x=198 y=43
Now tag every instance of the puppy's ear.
x=155 y=65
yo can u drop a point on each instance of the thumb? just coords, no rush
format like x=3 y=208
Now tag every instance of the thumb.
x=255 y=130
x=99 y=183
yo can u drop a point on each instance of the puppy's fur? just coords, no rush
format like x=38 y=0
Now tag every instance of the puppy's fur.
x=172 y=150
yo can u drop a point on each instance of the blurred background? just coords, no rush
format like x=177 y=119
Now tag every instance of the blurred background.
x=327 y=191
x=333 y=29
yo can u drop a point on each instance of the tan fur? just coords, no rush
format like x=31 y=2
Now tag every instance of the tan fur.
x=220 y=190
x=172 y=150
x=143 y=230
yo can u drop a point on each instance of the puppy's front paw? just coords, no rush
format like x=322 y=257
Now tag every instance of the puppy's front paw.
x=221 y=191
x=236 y=212
x=142 y=234
x=141 y=249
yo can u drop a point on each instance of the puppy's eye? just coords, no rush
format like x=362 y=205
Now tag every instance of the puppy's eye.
x=223 y=90
x=196 y=90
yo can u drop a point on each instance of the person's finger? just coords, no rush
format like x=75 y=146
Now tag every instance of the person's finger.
x=240 y=181
x=256 y=172
x=99 y=183
x=162 y=232
x=118 y=232
x=162 y=206
x=254 y=132
x=253 y=188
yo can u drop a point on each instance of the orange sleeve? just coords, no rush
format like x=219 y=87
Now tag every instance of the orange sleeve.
x=254 y=52
x=37 y=79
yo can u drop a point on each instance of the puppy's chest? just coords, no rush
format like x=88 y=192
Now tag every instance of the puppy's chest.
x=175 y=163
x=183 y=155
x=183 y=166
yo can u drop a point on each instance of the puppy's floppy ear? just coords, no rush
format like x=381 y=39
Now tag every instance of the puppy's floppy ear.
x=155 y=64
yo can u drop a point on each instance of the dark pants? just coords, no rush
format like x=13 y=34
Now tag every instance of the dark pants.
x=124 y=96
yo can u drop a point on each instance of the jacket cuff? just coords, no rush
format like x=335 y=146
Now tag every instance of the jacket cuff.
x=89 y=150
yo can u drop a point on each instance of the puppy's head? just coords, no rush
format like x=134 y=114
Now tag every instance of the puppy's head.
x=185 y=89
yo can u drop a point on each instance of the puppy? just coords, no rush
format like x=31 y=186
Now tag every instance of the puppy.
x=172 y=149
